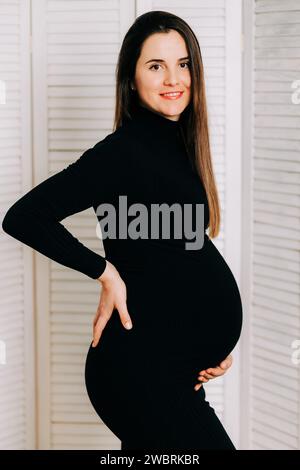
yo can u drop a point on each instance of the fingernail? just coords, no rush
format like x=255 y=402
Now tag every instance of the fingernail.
x=128 y=325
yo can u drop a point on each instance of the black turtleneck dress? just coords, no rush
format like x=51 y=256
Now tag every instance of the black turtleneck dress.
x=184 y=304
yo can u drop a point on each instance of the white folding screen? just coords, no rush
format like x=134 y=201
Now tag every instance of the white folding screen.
x=275 y=307
x=17 y=379
x=217 y=25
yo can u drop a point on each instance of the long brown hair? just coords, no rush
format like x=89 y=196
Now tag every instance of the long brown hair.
x=194 y=118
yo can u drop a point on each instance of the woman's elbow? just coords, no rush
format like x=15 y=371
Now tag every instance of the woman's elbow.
x=11 y=221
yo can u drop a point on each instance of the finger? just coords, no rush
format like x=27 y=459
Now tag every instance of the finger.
x=197 y=387
x=95 y=319
x=227 y=362
x=215 y=371
x=211 y=370
x=203 y=379
x=99 y=327
x=101 y=318
x=206 y=375
x=125 y=317
x=105 y=305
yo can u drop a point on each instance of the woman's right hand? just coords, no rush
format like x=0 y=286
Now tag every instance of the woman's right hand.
x=113 y=295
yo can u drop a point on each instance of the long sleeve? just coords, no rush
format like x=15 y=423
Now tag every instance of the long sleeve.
x=35 y=218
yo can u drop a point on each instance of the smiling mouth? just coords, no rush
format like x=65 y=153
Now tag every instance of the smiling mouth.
x=173 y=95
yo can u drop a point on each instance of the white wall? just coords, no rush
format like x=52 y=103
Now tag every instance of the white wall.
x=271 y=158
x=17 y=364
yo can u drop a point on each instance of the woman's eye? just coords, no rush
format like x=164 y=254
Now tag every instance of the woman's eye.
x=185 y=63
x=158 y=65
x=154 y=65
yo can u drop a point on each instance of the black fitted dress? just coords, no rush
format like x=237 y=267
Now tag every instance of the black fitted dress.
x=185 y=305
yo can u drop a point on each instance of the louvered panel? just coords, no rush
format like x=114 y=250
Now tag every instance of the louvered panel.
x=274 y=273
x=73 y=415
x=63 y=369
x=261 y=375
x=267 y=443
x=283 y=286
x=65 y=359
x=276 y=305
x=267 y=229
x=282 y=177
x=283 y=254
x=283 y=439
x=82 y=102
x=276 y=164
x=272 y=397
x=70 y=435
x=280 y=349
x=262 y=363
x=65 y=296
x=267 y=153
x=277 y=109
x=81 y=51
x=14 y=425
x=276 y=242
x=66 y=379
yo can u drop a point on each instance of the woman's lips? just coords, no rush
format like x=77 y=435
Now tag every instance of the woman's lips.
x=172 y=95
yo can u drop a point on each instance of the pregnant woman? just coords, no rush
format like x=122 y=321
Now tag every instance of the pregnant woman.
x=182 y=302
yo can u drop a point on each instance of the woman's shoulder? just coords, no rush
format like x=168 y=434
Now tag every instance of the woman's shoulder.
x=109 y=153
x=120 y=139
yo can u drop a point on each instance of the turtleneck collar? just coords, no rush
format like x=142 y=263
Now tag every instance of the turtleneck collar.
x=146 y=122
x=154 y=121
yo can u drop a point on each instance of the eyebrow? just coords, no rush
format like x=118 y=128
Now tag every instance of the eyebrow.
x=161 y=60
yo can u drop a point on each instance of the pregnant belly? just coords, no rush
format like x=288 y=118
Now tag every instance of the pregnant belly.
x=210 y=298
x=186 y=311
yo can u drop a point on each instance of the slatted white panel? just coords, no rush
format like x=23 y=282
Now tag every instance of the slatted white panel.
x=216 y=25
x=75 y=48
x=17 y=411
x=275 y=390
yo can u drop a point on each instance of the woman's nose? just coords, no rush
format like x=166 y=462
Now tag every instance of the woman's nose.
x=171 y=78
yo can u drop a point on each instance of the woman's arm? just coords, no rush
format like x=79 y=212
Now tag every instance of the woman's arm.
x=35 y=218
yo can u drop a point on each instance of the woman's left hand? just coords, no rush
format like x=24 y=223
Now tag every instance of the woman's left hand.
x=213 y=372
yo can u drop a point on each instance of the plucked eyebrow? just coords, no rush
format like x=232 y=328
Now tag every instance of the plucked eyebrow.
x=161 y=60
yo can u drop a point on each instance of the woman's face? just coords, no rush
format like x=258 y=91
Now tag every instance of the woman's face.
x=163 y=68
